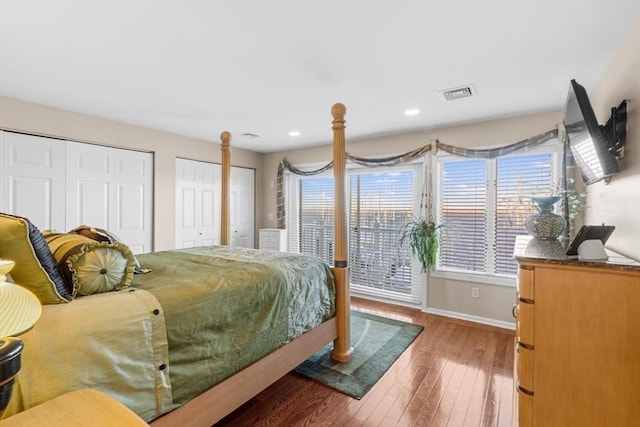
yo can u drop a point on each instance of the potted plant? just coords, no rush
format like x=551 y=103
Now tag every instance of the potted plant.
x=423 y=236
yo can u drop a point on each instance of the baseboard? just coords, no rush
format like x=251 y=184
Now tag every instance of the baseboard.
x=472 y=318
x=446 y=313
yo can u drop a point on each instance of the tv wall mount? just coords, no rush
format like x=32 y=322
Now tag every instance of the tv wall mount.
x=615 y=129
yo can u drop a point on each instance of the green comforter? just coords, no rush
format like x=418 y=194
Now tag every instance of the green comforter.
x=225 y=308
x=199 y=316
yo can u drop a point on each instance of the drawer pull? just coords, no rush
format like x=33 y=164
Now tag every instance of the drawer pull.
x=525 y=391
x=525 y=345
x=526 y=300
x=514 y=311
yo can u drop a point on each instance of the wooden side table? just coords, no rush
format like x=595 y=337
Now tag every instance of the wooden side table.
x=79 y=408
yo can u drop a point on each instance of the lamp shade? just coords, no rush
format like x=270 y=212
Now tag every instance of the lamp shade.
x=19 y=308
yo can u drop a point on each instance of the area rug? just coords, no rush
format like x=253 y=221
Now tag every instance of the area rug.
x=377 y=342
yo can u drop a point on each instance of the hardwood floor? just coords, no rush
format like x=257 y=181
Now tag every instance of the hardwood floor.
x=454 y=374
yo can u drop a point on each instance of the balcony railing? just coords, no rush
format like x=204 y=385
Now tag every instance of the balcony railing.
x=375 y=259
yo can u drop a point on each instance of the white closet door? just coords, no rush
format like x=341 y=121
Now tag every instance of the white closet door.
x=90 y=186
x=33 y=179
x=186 y=196
x=111 y=188
x=242 y=207
x=197 y=203
x=133 y=203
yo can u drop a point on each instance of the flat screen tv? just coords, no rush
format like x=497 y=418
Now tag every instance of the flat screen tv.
x=593 y=150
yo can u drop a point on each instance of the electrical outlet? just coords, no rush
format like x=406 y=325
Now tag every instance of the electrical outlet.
x=475 y=293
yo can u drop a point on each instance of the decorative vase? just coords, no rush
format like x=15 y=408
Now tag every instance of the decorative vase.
x=545 y=224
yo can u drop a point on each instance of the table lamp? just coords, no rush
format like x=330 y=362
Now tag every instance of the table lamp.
x=19 y=311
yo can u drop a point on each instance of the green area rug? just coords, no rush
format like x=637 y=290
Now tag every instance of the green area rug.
x=377 y=342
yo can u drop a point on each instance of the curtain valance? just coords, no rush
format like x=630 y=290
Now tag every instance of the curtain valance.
x=486 y=153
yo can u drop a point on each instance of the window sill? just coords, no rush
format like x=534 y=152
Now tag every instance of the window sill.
x=478 y=278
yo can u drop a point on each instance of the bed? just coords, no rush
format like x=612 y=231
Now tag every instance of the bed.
x=201 y=333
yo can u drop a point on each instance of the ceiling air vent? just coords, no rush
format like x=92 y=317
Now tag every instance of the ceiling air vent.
x=457 y=93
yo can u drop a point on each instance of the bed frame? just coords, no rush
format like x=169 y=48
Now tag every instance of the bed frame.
x=222 y=399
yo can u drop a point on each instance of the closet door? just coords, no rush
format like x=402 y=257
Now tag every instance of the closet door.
x=242 y=207
x=111 y=188
x=90 y=186
x=33 y=179
x=134 y=199
x=197 y=203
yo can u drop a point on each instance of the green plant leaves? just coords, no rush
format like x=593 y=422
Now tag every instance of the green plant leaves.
x=422 y=236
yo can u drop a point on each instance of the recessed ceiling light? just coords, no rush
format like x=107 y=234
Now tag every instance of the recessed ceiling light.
x=294 y=133
x=412 y=112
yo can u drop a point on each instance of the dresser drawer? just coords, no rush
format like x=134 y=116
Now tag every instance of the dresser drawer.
x=525 y=409
x=269 y=239
x=526 y=280
x=525 y=323
x=525 y=367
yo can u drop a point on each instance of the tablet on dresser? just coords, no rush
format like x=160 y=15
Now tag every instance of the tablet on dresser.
x=589 y=232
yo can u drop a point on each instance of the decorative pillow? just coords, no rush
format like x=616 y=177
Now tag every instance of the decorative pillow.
x=91 y=267
x=101 y=235
x=35 y=268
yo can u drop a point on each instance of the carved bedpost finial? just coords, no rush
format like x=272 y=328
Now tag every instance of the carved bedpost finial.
x=338 y=111
x=225 y=137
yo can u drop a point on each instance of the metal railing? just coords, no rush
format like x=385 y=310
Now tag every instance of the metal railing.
x=375 y=259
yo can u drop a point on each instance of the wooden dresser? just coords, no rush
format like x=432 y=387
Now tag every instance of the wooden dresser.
x=577 y=340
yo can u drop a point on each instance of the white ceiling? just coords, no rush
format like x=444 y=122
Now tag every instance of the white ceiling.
x=198 y=68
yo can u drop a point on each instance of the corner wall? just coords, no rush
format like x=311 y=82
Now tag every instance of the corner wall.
x=618 y=202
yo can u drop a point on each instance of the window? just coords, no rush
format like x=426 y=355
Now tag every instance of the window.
x=463 y=208
x=483 y=203
x=379 y=203
x=316 y=217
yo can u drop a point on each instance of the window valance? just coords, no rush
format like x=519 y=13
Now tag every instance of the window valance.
x=486 y=153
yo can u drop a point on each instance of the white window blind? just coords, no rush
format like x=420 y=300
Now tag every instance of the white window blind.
x=463 y=208
x=315 y=217
x=483 y=203
x=379 y=204
x=518 y=179
x=292 y=205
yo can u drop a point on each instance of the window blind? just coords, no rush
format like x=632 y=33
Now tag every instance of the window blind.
x=292 y=204
x=518 y=179
x=462 y=208
x=381 y=203
x=483 y=204
x=315 y=217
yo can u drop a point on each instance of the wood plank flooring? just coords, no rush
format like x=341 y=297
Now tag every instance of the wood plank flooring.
x=455 y=373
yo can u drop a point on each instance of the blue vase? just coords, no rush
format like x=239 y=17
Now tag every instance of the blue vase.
x=545 y=224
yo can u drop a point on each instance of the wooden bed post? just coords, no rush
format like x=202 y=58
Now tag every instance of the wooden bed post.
x=342 y=349
x=225 y=137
